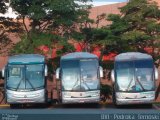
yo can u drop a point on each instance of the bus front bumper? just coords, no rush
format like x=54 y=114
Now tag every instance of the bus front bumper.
x=81 y=97
x=81 y=100
x=135 y=98
x=134 y=101
x=16 y=97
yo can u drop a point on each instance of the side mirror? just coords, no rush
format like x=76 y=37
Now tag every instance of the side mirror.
x=2 y=73
x=57 y=73
x=100 y=71
x=46 y=71
x=112 y=76
x=156 y=73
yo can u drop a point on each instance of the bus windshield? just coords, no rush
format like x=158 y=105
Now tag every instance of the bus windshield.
x=89 y=74
x=23 y=77
x=144 y=75
x=79 y=75
x=70 y=74
x=134 y=76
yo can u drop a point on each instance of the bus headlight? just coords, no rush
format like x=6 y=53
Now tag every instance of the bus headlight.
x=120 y=96
x=150 y=96
x=95 y=95
x=66 y=95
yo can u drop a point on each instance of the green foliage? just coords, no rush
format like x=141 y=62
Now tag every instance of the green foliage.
x=135 y=28
x=66 y=48
x=47 y=17
x=37 y=39
x=55 y=12
x=77 y=35
x=20 y=47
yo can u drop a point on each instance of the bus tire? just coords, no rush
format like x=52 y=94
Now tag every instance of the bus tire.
x=114 y=100
x=46 y=97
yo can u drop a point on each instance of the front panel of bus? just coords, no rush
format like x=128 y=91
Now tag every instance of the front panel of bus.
x=80 y=81
x=25 y=83
x=135 y=82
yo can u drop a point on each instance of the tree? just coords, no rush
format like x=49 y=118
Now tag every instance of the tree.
x=7 y=26
x=3 y=38
x=57 y=17
x=136 y=27
x=144 y=28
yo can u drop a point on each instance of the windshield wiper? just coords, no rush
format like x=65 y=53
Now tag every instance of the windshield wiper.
x=30 y=84
x=75 y=84
x=19 y=84
x=129 y=85
x=85 y=84
x=140 y=84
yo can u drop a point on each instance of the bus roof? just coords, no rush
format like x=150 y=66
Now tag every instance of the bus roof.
x=78 y=55
x=132 y=56
x=26 y=59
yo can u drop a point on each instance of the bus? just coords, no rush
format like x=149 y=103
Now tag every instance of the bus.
x=80 y=75
x=134 y=79
x=25 y=79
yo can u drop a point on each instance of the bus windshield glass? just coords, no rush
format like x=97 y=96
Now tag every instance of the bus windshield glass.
x=144 y=75
x=34 y=76
x=89 y=74
x=134 y=76
x=80 y=75
x=23 y=77
x=70 y=74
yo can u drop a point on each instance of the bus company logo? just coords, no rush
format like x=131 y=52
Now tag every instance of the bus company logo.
x=25 y=96
x=135 y=96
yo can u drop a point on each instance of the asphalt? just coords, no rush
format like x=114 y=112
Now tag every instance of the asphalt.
x=81 y=112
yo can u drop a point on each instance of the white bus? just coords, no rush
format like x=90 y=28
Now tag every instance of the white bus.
x=25 y=79
x=134 y=78
x=80 y=74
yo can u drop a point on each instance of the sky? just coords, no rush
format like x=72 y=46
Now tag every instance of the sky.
x=94 y=3
x=108 y=0
x=104 y=2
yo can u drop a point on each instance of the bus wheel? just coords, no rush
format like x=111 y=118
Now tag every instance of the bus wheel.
x=114 y=100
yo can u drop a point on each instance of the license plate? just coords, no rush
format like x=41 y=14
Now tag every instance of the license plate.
x=26 y=100
x=81 y=101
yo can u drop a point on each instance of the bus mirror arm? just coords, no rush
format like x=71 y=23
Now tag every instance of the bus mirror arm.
x=46 y=71
x=112 y=76
x=2 y=73
x=156 y=73
x=101 y=71
x=58 y=73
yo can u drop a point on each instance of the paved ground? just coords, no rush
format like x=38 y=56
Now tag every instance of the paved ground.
x=81 y=112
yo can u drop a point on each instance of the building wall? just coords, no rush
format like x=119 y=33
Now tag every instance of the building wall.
x=94 y=12
x=107 y=9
